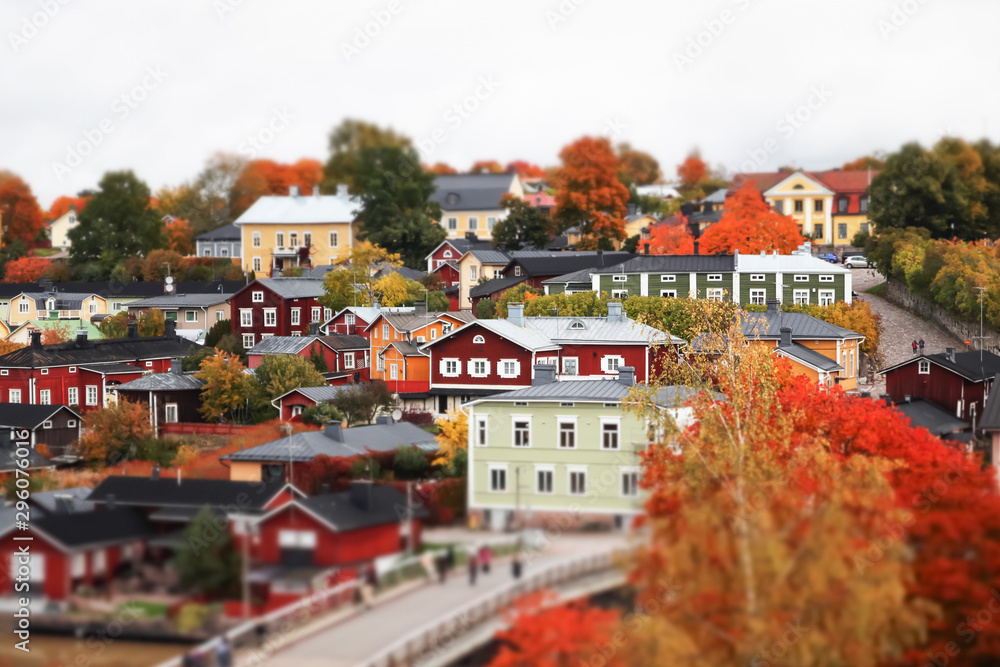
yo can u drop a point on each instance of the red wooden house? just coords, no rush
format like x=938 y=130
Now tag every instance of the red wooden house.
x=355 y=319
x=452 y=250
x=82 y=372
x=277 y=307
x=345 y=356
x=290 y=405
x=958 y=382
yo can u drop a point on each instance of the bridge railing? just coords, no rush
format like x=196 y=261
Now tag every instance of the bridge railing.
x=435 y=636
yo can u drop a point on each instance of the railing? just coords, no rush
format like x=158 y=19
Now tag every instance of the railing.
x=434 y=636
x=266 y=635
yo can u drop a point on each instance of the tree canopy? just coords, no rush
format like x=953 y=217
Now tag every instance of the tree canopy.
x=347 y=141
x=750 y=226
x=20 y=214
x=589 y=194
x=525 y=226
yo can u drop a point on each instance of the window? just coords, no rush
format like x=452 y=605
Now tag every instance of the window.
x=297 y=539
x=393 y=372
x=609 y=432
x=497 y=274
x=247 y=341
x=71 y=423
x=256 y=264
x=327 y=314
x=799 y=206
x=270 y=317
x=380 y=363
x=447 y=253
x=490 y=222
x=334 y=239
x=758 y=296
x=543 y=477
x=170 y=413
x=757 y=277
x=799 y=278
x=630 y=483
x=317 y=311
x=522 y=431
x=149 y=364
x=570 y=366
x=864 y=203
x=449 y=368
x=15 y=396
x=619 y=294
x=714 y=277
x=349 y=319
x=45 y=397
x=800 y=297
x=668 y=279
x=479 y=368
x=293 y=239
x=296 y=316
x=219 y=315
x=713 y=294
x=100 y=562
x=517 y=270
x=817 y=205
x=190 y=315
x=841 y=230
x=5 y=372
x=610 y=364
x=498 y=478
x=668 y=293
x=434 y=334
x=224 y=252
x=509 y=368
x=479 y=340
x=826 y=279
x=23 y=306
x=826 y=297
x=116 y=307
x=866 y=228
x=779 y=205
x=348 y=360
x=256 y=240
x=78 y=565
x=295 y=334
x=619 y=278
x=924 y=367
x=279 y=239
x=446 y=328
x=385 y=332
x=567 y=433
x=472 y=273
x=482 y=430
x=72 y=396
x=45 y=371
x=91 y=394
x=257 y=297
x=817 y=231
x=577 y=482
x=842 y=204
x=452 y=223
x=473 y=223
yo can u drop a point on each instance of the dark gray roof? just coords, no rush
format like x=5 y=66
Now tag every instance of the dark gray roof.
x=811 y=357
x=580 y=277
x=471 y=192
x=406 y=348
x=113 y=368
x=163 y=382
x=9 y=462
x=967 y=364
x=338 y=510
x=405 y=271
x=464 y=245
x=104 y=526
x=611 y=391
x=674 y=264
x=768 y=326
x=717 y=197
x=310 y=444
x=991 y=410
x=931 y=417
x=495 y=285
x=404 y=322
x=491 y=256
x=345 y=341
x=225 y=233
x=322 y=394
x=105 y=350
x=25 y=415
x=63 y=300
x=119 y=290
x=559 y=263
x=64 y=500
x=292 y=288
x=149 y=492
x=183 y=300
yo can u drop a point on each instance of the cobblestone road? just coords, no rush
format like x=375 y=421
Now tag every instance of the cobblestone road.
x=900 y=328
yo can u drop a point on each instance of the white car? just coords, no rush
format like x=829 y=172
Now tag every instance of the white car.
x=857 y=262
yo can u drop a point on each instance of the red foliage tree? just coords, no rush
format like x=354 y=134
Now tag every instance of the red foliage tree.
x=589 y=194
x=526 y=169
x=178 y=236
x=26 y=269
x=751 y=226
x=441 y=168
x=671 y=238
x=486 y=167
x=62 y=204
x=20 y=213
x=692 y=171
x=267 y=177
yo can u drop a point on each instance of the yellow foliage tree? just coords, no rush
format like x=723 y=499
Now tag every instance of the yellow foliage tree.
x=115 y=432
x=227 y=387
x=452 y=437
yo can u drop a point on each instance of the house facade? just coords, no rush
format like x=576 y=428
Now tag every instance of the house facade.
x=277 y=307
x=472 y=203
x=355 y=319
x=55 y=426
x=344 y=356
x=222 y=242
x=170 y=397
x=193 y=314
x=451 y=250
x=60 y=227
x=958 y=382
x=29 y=306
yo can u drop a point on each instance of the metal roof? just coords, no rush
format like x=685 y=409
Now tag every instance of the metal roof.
x=495 y=285
x=345 y=342
x=338 y=510
x=491 y=256
x=358 y=440
x=108 y=350
x=611 y=391
x=149 y=492
x=558 y=263
x=973 y=366
x=292 y=288
x=163 y=382
x=114 y=368
x=182 y=300
x=282 y=345
x=598 y=329
x=301 y=209
x=991 y=410
x=810 y=357
x=406 y=348
x=30 y=416
x=225 y=233
x=787 y=264
x=931 y=417
x=768 y=326
x=526 y=338
x=64 y=501
x=673 y=264
x=471 y=192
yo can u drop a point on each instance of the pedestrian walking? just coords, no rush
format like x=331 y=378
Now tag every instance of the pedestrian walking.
x=914 y=345
x=473 y=569
x=450 y=556
x=442 y=567
x=515 y=566
x=921 y=345
x=224 y=653
x=485 y=556
x=368 y=587
x=427 y=561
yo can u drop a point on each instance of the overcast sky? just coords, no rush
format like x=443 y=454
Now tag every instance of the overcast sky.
x=159 y=86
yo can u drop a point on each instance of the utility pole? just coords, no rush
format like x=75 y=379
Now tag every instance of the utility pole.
x=982 y=295
x=409 y=518
x=246 y=567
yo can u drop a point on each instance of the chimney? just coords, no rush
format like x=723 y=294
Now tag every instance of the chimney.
x=384 y=420
x=471 y=236
x=314 y=329
x=316 y=190
x=772 y=306
x=950 y=353
x=687 y=210
x=109 y=501
x=361 y=494
x=544 y=374
x=786 y=337
x=515 y=314
x=334 y=431
x=81 y=337
x=614 y=311
x=341 y=189
x=646 y=251
x=419 y=307
x=36 y=339
x=600 y=259
x=155 y=473
x=631 y=209
x=293 y=191
x=176 y=367
x=626 y=375
x=696 y=247
x=133 y=330
x=169 y=328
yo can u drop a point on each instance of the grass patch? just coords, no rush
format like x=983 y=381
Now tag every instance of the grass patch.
x=878 y=290
x=146 y=609
x=46 y=252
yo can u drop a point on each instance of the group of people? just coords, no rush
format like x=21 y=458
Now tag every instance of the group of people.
x=918 y=345
x=223 y=655
x=480 y=558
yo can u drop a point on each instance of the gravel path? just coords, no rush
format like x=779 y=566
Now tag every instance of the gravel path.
x=900 y=328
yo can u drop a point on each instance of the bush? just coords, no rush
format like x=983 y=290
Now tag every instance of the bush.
x=320 y=414
x=366 y=468
x=410 y=463
x=486 y=309
x=417 y=417
x=218 y=330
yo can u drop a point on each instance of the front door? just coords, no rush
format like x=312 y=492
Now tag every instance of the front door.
x=442 y=404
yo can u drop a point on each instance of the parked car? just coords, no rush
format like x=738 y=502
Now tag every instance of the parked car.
x=830 y=257
x=857 y=262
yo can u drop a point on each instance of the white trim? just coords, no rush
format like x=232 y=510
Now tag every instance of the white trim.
x=617 y=422
x=501 y=364
x=576 y=470
x=622 y=472
x=481 y=374
x=551 y=470
x=671 y=278
x=482 y=431
x=490 y=467
x=513 y=431
x=567 y=419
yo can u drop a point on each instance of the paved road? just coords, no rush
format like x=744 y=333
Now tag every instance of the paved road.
x=360 y=637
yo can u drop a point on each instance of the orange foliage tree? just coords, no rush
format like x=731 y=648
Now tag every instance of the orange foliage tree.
x=20 y=213
x=60 y=333
x=62 y=204
x=178 y=236
x=8 y=346
x=440 y=168
x=115 y=432
x=750 y=226
x=692 y=170
x=525 y=169
x=589 y=194
x=671 y=239
x=486 y=167
x=26 y=269
x=267 y=177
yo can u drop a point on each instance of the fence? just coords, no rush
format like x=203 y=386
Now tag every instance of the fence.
x=188 y=428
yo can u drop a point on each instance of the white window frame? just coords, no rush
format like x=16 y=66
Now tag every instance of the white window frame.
x=549 y=472
x=296 y=318
x=23 y=306
x=78 y=566
x=380 y=363
x=514 y=419
x=571 y=362
x=800 y=297
x=393 y=371
x=14 y=396
x=619 y=278
x=170 y=410
x=714 y=294
x=827 y=295
x=490 y=221
x=348 y=360
x=452 y=223
x=619 y=294
x=485 y=372
x=92 y=394
x=800 y=278
x=72 y=369
x=279 y=239
x=72 y=396
x=479 y=340
x=617 y=423
x=473 y=222
x=826 y=279
x=472 y=273
x=257 y=296
x=247 y=341
x=672 y=278
x=451 y=362
x=327 y=314
x=190 y=315
x=570 y=472
x=668 y=293
x=71 y=423
x=501 y=470
x=45 y=397
x=385 y=332
x=334 y=239
x=626 y=473
x=517 y=270
x=502 y=368
x=270 y=317
x=297 y=539
x=482 y=436
x=923 y=367
x=758 y=296
x=567 y=420
x=99 y=562
x=349 y=319
x=714 y=278
x=255 y=239
x=758 y=277
x=45 y=371
x=317 y=313
x=606 y=363
x=257 y=263
x=4 y=372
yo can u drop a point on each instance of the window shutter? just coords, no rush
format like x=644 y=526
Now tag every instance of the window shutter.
x=486 y=368
x=604 y=363
x=517 y=369
x=469 y=366
x=442 y=367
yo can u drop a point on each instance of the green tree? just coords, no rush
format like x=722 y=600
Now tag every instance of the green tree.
x=320 y=414
x=118 y=222
x=525 y=226
x=581 y=304
x=396 y=211
x=637 y=167
x=207 y=560
x=217 y=331
x=360 y=403
x=437 y=302
x=354 y=282
x=347 y=140
x=518 y=294
x=486 y=309
x=410 y=463
x=317 y=360
x=279 y=374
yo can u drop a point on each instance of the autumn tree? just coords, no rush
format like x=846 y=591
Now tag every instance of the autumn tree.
x=525 y=169
x=441 y=168
x=692 y=170
x=453 y=442
x=26 y=269
x=750 y=226
x=589 y=194
x=115 y=432
x=361 y=403
x=205 y=201
x=347 y=141
x=518 y=294
x=63 y=204
x=20 y=214
x=179 y=236
x=672 y=238
x=637 y=167
x=356 y=281
x=227 y=388
x=58 y=332
x=524 y=226
x=161 y=263
x=8 y=346
x=865 y=162
x=278 y=374
x=486 y=167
